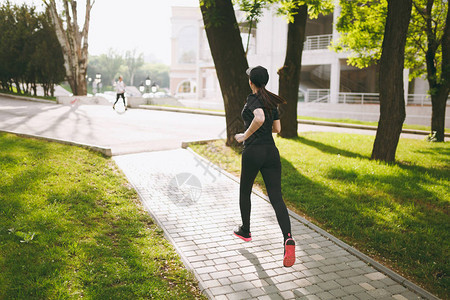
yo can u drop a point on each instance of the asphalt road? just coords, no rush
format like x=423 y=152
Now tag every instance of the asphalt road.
x=136 y=130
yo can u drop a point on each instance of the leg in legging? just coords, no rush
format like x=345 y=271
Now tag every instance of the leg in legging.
x=249 y=169
x=271 y=173
x=117 y=99
x=123 y=98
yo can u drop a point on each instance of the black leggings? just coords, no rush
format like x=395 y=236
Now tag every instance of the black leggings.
x=264 y=158
x=123 y=97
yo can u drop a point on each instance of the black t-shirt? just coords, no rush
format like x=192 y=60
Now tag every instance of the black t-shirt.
x=264 y=133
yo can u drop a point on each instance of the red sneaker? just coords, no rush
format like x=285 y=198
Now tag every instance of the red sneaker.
x=240 y=233
x=289 y=253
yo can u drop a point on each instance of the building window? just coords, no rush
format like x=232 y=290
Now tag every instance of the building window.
x=186 y=87
x=187 y=45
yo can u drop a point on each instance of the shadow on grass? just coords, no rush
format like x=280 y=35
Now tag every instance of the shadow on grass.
x=327 y=148
x=85 y=246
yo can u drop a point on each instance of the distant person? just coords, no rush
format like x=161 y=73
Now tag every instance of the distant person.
x=120 y=92
x=260 y=154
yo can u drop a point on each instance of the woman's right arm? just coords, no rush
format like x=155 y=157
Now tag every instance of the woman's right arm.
x=276 y=126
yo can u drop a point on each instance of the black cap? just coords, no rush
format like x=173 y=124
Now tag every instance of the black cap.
x=258 y=75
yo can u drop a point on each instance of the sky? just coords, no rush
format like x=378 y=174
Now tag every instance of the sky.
x=124 y=25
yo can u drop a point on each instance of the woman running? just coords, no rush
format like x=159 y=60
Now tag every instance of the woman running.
x=261 y=119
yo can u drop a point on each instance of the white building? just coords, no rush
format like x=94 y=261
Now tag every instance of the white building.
x=325 y=76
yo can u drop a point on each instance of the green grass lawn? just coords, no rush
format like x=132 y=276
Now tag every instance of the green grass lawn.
x=72 y=227
x=28 y=95
x=357 y=122
x=396 y=213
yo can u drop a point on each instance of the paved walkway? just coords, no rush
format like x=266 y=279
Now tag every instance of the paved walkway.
x=197 y=207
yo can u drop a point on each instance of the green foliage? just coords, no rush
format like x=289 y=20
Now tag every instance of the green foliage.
x=113 y=64
x=107 y=65
x=158 y=73
x=384 y=210
x=285 y=8
x=72 y=227
x=212 y=17
x=361 y=24
x=29 y=51
x=421 y=38
x=315 y=7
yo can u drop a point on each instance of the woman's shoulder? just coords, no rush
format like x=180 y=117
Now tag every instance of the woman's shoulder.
x=253 y=99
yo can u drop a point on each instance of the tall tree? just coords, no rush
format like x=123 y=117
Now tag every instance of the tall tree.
x=392 y=102
x=289 y=80
x=29 y=52
x=432 y=36
x=229 y=59
x=74 y=42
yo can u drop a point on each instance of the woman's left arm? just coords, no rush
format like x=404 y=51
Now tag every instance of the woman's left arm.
x=257 y=122
x=276 y=126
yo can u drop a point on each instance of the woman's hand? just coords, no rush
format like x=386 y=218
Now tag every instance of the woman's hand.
x=240 y=137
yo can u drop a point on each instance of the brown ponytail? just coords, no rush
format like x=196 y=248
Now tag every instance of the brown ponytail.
x=270 y=100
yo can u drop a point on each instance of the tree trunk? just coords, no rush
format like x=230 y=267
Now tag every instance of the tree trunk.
x=439 y=92
x=392 y=102
x=229 y=58
x=74 y=43
x=289 y=80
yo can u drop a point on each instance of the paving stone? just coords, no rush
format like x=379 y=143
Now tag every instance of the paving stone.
x=286 y=286
x=256 y=292
x=375 y=276
x=284 y=278
x=222 y=290
x=221 y=274
x=328 y=276
x=325 y=295
x=239 y=295
x=396 y=289
x=210 y=284
x=205 y=276
x=366 y=286
x=358 y=279
x=313 y=272
x=314 y=289
x=363 y=296
x=399 y=297
x=378 y=284
x=236 y=279
x=353 y=289
x=337 y=293
x=205 y=270
x=378 y=293
x=242 y=286
x=315 y=279
x=329 y=285
x=287 y=295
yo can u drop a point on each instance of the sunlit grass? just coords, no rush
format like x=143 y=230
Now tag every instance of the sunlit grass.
x=396 y=213
x=357 y=122
x=72 y=227
x=14 y=92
